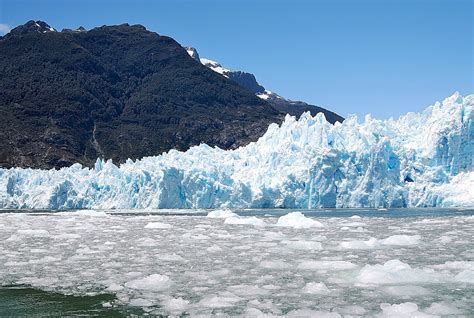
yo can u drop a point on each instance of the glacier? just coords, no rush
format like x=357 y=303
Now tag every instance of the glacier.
x=419 y=160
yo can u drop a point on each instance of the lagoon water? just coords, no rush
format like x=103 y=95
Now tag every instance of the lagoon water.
x=334 y=263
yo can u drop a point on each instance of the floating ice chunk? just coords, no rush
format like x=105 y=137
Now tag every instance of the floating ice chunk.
x=431 y=221
x=316 y=288
x=351 y=310
x=267 y=305
x=312 y=313
x=353 y=224
x=154 y=282
x=405 y=291
x=273 y=236
x=396 y=272
x=146 y=241
x=170 y=257
x=158 y=225
x=252 y=220
x=45 y=259
x=247 y=290
x=401 y=240
x=140 y=302
x=444 y=309
x=44 y=282
x=214 y=249
x=403 y=310
x=193 y=236
x=297 y=220
x=360 y=245
x=274 y=264
x=398 y=240
x=67 y=236
x=38 y=250
x=114 y=287
x=445 y=239
x=214 y=301
x=35 y=233
x=466 y=276
x=175 y=305
x=221 y=214
x=455 y=265
x=327 y=265
x=254 y=312
x=303 y=245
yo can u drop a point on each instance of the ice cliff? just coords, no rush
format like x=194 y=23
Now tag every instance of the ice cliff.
x=420 y=160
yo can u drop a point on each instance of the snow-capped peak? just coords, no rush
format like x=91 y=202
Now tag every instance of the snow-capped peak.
x=245 y=79
x=43 y=27
x=192 y=52
x=268 y=95
x=215 y=66
x=32 y=27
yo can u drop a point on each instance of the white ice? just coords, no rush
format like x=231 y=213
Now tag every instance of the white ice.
x=394 y=240
x=221 y=214
x=298 y=221
x=316 y=288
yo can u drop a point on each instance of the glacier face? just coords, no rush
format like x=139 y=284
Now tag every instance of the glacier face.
x=420 y=160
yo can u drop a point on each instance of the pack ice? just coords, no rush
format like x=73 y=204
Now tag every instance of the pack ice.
x=420 y=160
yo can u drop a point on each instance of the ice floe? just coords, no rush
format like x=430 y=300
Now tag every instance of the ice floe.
x=396 y=272
x=298 y=221
x=154 y=282
x=158 y=225
x=316 y=288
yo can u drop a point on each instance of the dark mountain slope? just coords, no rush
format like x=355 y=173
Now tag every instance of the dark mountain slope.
x=116 y=92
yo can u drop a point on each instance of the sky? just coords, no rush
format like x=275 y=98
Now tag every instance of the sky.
x=386 y=58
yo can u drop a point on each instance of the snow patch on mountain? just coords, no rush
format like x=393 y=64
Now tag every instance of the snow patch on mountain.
x=215 y=66
x=245 y=79
x=193 y=53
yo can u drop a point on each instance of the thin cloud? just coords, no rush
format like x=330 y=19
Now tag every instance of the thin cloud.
x=4 y=28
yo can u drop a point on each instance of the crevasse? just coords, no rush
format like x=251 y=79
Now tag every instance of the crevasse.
x=420 y=160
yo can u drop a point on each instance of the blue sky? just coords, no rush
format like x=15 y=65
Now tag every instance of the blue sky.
x=354 y=57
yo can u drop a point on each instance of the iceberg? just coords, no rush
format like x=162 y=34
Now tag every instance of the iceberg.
x=419 y=160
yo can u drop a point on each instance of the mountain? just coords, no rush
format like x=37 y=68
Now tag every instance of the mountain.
x=115 y=92
x=248 y=80
x=30 y=27
x=419 y=160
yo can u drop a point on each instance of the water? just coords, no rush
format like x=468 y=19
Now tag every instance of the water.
x=388 y=213
x=24 y=301
x=121 y=263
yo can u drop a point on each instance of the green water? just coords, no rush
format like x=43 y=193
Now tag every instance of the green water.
x=22 y=301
